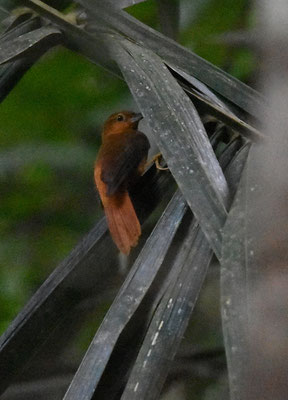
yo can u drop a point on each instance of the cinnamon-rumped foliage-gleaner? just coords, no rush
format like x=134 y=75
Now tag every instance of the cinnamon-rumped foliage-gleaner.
x=121 y=160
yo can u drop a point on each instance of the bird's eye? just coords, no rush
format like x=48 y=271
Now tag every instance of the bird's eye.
x=120 y=117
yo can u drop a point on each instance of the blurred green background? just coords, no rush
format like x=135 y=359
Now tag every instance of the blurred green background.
x=50 y=127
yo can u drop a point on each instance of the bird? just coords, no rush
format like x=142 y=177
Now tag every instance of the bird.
x=121 y=160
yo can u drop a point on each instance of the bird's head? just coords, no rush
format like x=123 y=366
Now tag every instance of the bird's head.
x=121 y=122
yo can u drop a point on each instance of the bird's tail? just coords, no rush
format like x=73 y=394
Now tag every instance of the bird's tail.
x=122 y=220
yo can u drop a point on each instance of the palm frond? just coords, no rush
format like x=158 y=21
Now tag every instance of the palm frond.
x=74 y=279
x=171 y=316
x=171 y=52
x=182 y=137
x=21 y=45
x=136 y=293
x=175 y=90
x=93 y=46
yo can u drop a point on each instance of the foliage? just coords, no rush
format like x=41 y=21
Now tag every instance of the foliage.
x=69 y=98
x=50 y=131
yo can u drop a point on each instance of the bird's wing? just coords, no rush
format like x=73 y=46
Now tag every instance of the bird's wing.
x=128 y=150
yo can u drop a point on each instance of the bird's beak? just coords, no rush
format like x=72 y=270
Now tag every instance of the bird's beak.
x=136 y=117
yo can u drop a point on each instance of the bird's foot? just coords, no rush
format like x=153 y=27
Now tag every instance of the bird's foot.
x=157 y=160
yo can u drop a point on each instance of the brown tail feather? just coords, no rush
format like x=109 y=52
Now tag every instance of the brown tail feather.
x=122 y=220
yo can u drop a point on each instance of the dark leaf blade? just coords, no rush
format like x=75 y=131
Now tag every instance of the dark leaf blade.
x=176 y=55
x=58 y=294
x=212 y=105
x=233 y=294
x=234 y=170
x=171 y=318
x=132 y=293
x=12 y=72
x=201 y=87
x=124 y=3
x=24 y=45
x=246 y=130
x=186 y=278
x=16 y=26
x=93 y=47
x=72 y=281
x=229 y=151
x=229 y=87
x=180 y=135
